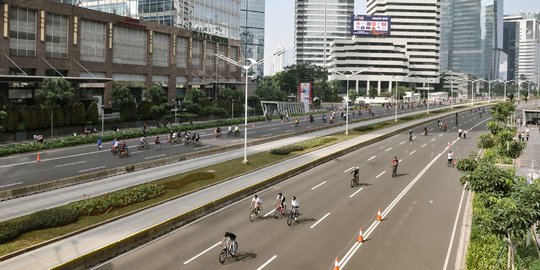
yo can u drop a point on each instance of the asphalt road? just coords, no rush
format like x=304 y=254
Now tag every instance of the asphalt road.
x=23 y=170
x=419 y=209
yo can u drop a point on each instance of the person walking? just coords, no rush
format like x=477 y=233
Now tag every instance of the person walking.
x=99 y=143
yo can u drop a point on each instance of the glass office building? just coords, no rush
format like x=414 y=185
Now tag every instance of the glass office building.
x=252 y=31
x=471 y=36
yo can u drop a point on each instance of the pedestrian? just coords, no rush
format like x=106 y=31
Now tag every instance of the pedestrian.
x=99 y=143
x=372 y=114
x=460 y=131
x=464 y=134
x=519 y=136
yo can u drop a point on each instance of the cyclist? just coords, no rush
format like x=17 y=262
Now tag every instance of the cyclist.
x=356 y=173
x=229 y=133
x=410 y=135
x=228 y=240
x=218 y=132
x=142 y=141
x=296 y=122
x=157 y=142
x=115 y=143
x=280 y=200
x=256 y=203
x=294 y=206
x=395 y=163
x=236 y=131
x=425 y=131
x=450 y=158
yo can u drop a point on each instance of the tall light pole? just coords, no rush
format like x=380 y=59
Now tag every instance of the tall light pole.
x=347 y=94
x=251 y=62
x=102 y=119
x=505 y=82
x=489 y=88
x=395 y=94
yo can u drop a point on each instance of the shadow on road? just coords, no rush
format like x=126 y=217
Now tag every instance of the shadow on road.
x=241 y=257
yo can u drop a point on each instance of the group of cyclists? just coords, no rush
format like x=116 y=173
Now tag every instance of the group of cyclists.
x=118 y=147
x=230 y=131
x=279 y=204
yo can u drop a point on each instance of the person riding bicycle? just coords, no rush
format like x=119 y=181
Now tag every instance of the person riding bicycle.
x=450 y=158
x=294 y=206
x=356 y=173
x=197 y=139
x=142 y=141
x=115 y=143
x=228 y=236
x=122 y=147
x=311 y=120
x=410 y=135
x=236 y=130
x=280 y=200
x=425 y=131
x=296 y=122
x=156 y=141
x=229 y=132
x=218 y=131
x=395 y=163
x=256 y=203
x=171 y=133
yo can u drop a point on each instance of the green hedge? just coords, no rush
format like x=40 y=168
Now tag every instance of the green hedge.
x=188 y=179
x=50 y=218
x=118 y=199
x=287 y=149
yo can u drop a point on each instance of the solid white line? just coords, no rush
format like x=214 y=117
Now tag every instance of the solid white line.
x=352 y=195
x=318 y=185
x=433 y=139
x=269 y=213
x=204 y=146
x=267 y=262
x=12 y=184
x=402 y=142
x=388 y=149
x=454 y=230
x=154 y=156
x=348 y=169
x=274 y=128
x=206 y=250
x=57 y=166
x=266 y=135
x=313 y=226
x=240 y=140
x=440 y=135
x=424 y=145
x=412 y=152
x=414 y=137
x=380 y=174
x=372 y=157
x=290 y=130
x=91 y=169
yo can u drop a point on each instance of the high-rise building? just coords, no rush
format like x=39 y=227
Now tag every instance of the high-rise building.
x=252 y=31
x=471 y=36
x=219 y=18
x=317 y=24
x=410 y=53
x=522 y=42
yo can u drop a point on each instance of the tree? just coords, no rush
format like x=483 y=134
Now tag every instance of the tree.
x=54 y=92
x=144 y=110
x=156 y=94
x=267 y=90
x=327 y=91
x=3 y=116
x=288 y=79
x=92 y=114
x=254 y=102
x=352 y=95
x=120 y=93
x=230 y=94
x=525 y=95
x=195 y=95
x=373 y=92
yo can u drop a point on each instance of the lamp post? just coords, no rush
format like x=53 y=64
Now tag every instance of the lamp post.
x=505 y=82
x=232 y=108
x=489 y=88
x=347 y=94
x=175 y=109
x=250 y=62
x=395 y=94
x=102 y=119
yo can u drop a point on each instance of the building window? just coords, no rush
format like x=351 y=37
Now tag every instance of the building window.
x=196 y=54
x=93 y=41
x=221 y=64
x=22 y=32
x=210 y=58
x=234 y=56
x=181 y=52
x=160 y=52
x=129 y=46
x=56 y=36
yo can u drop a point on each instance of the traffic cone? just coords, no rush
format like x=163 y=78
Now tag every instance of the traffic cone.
x=336 y=264
x=379 y=217
x=449 y=144
x=360 y=236
x=38 y=159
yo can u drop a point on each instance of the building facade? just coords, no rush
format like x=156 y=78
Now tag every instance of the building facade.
x=252 y=32
x=471 y=35
x=409 y=54
x=522 y=42
x=317 y=24
x=42 y=38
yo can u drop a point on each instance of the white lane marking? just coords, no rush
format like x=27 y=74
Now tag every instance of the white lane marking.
x=414 y=137
x=266 y=135
x=412 y=152
x=400 y=160
x=269 y=213
x=352 y=195
x=402 y=142
x=440 y=135
x=290 y=130
x=91 y=169
x=454 y=229
x=318 y=185
x=424 y=145
x=433 y=139
x=274 y=128
x=154 y=156
x=206 y=250
x=204 y=146
x=388 y=149
x=374 y=225
x=12 y=184
x=68 y=164
x=380 y=174
x=313 y=226
x=240 y=140
x=267 y=262
x=348 y=169
x=372 y=157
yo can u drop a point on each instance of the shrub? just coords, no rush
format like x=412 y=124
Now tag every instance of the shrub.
x=188 y=179
x=92 y=114
x=215 y=111
x=143 y=110
x=285 y=150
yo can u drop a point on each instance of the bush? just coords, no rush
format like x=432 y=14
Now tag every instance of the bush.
x=100 y=205
x=215 y=111
x=92 y=114
x=143 y=110
x=285 y=150
x=128 y=111
x=188 y=179
x=45 y=219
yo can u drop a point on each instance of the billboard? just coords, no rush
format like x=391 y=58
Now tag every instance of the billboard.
x=305 y=93
x=366 y=25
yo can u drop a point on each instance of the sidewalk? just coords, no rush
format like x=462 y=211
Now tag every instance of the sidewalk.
x=86 y=242
x=528 y=164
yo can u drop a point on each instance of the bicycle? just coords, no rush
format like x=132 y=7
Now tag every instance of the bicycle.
x=394 y=171
x=230 y=249
x=157 y=146
x=256 y=212
x=293 y=215
x=123 y=153
x=355 y=180
x=280 y=210
x=143 y=147
x=451 y=163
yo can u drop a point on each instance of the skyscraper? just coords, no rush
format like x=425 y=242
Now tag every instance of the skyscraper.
x=252 y=31
x=317 y=24
x=471 y=35
x=522 y=42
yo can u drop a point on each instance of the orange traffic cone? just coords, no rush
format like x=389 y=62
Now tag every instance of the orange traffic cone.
x=379 y=217
x=336 y=264
x=360 y=236
x=38 y=159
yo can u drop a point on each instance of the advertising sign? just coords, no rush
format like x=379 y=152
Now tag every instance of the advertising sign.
x=366 y=25
x=305 y=94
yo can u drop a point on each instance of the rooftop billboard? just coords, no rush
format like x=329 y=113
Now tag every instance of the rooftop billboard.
x=367 y=25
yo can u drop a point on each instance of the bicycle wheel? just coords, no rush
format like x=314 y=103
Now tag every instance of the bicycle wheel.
x=290 y=219
x=223 y=255
x=276 y=213
x=260 y=211
x=234 y=248
x=252 y=216
x=352 y=182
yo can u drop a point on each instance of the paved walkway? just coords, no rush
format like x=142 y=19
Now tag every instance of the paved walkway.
x=528 y=164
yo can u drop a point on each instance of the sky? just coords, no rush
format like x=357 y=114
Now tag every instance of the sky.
x=279 y=24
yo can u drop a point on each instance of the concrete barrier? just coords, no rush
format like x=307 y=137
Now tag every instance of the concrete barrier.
x=130 y=242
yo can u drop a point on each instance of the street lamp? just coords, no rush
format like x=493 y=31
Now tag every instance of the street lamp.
x=489 y=85
x=102 y=119
x=251 y=62
x=232 y=107
x=395 y=94
x=347 y=95
x=505 y=82
x=175 y=109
